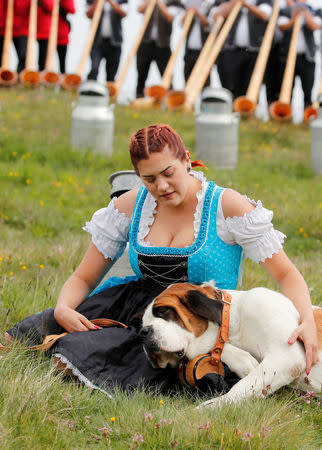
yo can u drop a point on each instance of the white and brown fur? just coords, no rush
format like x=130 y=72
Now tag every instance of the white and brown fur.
x=257 y=350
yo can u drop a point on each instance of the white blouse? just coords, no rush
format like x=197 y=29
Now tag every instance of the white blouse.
x=254 y=232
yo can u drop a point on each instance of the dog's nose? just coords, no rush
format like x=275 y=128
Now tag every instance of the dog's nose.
x=145 y=331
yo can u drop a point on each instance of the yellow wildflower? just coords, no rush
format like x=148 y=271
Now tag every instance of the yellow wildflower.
x=112 y=419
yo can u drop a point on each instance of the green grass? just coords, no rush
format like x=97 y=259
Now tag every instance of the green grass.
x=48 y=191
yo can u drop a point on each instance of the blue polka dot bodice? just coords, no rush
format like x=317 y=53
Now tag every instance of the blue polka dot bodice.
x=208 y=258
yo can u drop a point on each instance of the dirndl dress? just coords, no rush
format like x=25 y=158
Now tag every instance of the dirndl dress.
x=114 y=356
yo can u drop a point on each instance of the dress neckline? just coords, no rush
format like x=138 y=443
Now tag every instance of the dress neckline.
x=205 y=201
x=149 y=211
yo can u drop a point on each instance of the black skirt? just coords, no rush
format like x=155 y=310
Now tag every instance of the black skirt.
x=111 y=356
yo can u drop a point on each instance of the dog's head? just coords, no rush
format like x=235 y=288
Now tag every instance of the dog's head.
x=181 y=321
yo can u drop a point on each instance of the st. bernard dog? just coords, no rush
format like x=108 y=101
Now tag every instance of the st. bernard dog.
x=257 y=348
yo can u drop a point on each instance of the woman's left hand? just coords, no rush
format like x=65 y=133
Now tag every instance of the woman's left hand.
x=307 y=333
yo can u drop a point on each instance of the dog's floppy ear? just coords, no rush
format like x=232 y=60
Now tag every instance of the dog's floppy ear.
x=203 y=306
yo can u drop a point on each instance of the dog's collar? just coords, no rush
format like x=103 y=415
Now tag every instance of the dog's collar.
x=223 y=330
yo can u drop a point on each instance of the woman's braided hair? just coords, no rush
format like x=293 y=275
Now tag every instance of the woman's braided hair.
x=153 y=139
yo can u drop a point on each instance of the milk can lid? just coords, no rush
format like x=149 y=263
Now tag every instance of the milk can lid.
x=123 y=181
x=93 y=89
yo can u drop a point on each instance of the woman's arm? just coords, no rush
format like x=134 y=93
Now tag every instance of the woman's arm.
x=78 y=286
x=293 y=286
x=290 y=280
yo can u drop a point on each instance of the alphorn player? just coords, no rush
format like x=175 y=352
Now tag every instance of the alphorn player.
x=19 y=31
x=306 y=47
x=109 y=37
x=65 y=7
x=44 y=11
x=236 y=64
x=197 y=34
x=155 y=44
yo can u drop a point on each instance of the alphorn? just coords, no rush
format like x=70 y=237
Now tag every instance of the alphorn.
x=115 y=86
x=158 y=92
x=49 y=77
x=72 y=80
x=30 y=76
x=7 y=77
x=282 y=109
x=311 y=112
x=176 y=98
x=247 y=104
x=194 y=91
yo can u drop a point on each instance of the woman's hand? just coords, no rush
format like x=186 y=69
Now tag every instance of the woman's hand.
x=72 y=320
x=307 y=333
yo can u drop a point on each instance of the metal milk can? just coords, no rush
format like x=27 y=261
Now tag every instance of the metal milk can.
x=316 y=141
x=217 y=129
x=92 y=126
x=121 y=182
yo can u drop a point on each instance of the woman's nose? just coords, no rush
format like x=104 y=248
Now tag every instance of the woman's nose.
x=163 y=185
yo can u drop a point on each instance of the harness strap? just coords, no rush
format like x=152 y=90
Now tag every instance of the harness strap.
x=50 y=340
x=223 y=330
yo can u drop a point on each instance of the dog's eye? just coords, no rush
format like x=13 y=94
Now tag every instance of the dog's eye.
x=180 y=353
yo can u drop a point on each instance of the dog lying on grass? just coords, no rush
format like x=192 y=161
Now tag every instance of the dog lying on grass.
x=257 y=348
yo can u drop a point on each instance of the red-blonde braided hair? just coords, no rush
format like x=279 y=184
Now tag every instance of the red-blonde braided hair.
x=153 y=139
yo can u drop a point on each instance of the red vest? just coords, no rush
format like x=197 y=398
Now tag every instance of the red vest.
x=20 y=17
x=66 y=7
x=45 y=9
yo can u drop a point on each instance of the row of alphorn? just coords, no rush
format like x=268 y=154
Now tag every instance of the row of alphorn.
x=280 y=110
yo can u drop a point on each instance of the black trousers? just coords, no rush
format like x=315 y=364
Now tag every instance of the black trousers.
x=20 y=44
x=190 y=58
x=273 y=75
x=235 y=68
x=148 y=52
x=61 y=50
x=111 y=53
x=305 y=70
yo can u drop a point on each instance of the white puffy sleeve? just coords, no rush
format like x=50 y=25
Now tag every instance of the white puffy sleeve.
x=254 y=232
x=109 y=229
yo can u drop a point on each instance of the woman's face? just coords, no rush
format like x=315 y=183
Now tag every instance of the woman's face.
x=165 y=176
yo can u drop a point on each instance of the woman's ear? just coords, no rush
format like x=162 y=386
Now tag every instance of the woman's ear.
x=206 y=307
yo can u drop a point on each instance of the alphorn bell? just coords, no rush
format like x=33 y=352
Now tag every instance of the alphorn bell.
x=311 y=112
x=30 y=76
x=115 y=86
x=7 y=77
x=158 y=92
x=72 y=81
x=247 y=104
x=282 y=109
x=49 y=77
x=194 y=91
x=177 y=98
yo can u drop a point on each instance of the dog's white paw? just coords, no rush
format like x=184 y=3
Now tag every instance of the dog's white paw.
x=209 y=403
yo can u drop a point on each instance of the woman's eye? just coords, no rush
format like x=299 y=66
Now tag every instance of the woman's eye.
x=168 y=174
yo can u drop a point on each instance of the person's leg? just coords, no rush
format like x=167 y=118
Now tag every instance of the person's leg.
x=43 y=44
x=20 y=44
x=272 y=78
x=96 y=57
x=112 y=54
x=190 y=58
x=162 y=56
x=1 y=48
x=144 y=58
x=305 y=70
x=243 y=75
x=62 y=51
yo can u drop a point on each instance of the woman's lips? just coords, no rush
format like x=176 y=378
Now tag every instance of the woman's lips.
x=167 y=195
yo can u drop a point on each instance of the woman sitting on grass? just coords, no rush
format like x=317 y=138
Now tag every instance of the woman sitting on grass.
x=180 y=227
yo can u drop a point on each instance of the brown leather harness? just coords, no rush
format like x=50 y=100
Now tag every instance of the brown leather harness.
x=195 y=369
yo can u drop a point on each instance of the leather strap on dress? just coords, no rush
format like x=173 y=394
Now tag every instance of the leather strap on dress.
x=50 y=340
x=223 y=330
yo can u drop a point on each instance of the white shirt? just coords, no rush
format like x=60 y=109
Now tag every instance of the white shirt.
x=106 y=27
x=254 y=232
x=301 y=42
x=195 y=40
x=242 y=38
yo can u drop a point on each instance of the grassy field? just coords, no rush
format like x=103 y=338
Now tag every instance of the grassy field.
x=48 y=191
